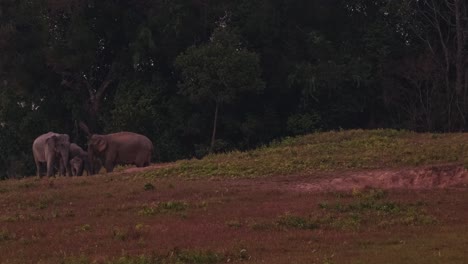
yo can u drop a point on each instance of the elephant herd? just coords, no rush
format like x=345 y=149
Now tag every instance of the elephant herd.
x=60 y=155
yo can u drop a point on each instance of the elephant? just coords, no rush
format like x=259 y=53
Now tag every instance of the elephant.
x=80 y=162
x=119 y=149
x=77 y=151
x=76 y=165
x=51 y=148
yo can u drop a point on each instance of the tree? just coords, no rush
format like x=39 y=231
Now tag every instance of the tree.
x=218 y=72
x=89 y=51
x=441 y=27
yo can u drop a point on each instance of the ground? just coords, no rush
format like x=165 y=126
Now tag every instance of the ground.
x=405 y=215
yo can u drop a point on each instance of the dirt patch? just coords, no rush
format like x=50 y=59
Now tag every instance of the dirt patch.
x=148 y=168
x=427 y=177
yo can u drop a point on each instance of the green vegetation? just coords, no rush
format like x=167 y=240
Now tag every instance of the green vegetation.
x=328 y=151
x=292 y=221
x=148 y=187
x=6 y=235
x=367 y=209
x=163 y=207
x=85 y=227
x=372 y=209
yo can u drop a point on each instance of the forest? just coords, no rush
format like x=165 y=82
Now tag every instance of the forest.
x=206 y=76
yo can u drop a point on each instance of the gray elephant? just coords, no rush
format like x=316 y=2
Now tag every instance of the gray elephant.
x=51 y=148
x=77 y=166
x=82 y=157
x=119 y=148
x=80 y=162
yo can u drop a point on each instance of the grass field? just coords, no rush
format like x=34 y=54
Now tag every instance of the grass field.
x=255 y=207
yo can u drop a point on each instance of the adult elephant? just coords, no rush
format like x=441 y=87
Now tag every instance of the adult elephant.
x=119 y=149
x=51 y=148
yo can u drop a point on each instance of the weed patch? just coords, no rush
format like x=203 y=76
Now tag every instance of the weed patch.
x=148 y=187
x=163 y=207
x=5 y=235
x=371 y=208
x=234 y=224
x=293 y=221
x=84 y=227
x=198 y=257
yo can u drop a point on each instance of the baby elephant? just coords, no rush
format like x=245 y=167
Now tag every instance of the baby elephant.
x=81 y=163
x=77 y=166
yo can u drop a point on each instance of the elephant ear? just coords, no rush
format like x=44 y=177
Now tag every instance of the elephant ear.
x=101 y=145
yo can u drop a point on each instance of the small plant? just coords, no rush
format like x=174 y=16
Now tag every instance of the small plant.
x=234 y=223
x=262 y=226
x=6 y=235
x=119 y=234
x=198 y=257
x=149 y=187
x=69 y=213
x=85 y=227
x=163 y=207
x=14 y=218
x=243 y=254
x=292 y=221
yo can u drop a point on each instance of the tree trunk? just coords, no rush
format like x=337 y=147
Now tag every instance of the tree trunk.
x=459 y=62
x=213 y=135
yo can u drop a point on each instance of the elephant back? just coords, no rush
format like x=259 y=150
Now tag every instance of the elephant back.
x=130 y=138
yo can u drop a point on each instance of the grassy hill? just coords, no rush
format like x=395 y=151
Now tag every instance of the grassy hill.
x=328 y=151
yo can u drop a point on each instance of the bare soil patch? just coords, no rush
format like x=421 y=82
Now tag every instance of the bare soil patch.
x=426 y=177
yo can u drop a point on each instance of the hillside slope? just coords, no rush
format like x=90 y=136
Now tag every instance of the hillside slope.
x=380 y=196
x=329 y=151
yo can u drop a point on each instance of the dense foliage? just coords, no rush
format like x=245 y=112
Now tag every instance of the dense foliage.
x=201 y=76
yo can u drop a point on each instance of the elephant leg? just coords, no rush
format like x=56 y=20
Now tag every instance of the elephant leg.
x=38 y=168
x=50 y=166
x=142 y=160
x=109 y=165
x=86 y=167
x=110 y=161
x=61 y=170
x=80 y=170
x=148 y=160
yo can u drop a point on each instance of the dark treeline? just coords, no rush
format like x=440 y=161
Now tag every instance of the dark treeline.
x=214 y=75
